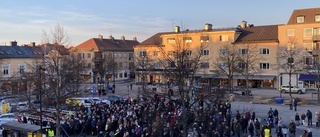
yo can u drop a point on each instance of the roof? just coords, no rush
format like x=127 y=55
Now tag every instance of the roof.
x=258 y=34
x=17 y=52
x=98 y=44
x=20 y=126
x=309 y=15
x=156 y=39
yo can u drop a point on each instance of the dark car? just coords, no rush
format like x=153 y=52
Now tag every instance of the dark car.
x=115 y=98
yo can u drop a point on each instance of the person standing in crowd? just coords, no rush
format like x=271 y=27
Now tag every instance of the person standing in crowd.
x=251 y=128
x=309 y=116
x=297 y=119
x=237 y=128
x=292 y=128
x=318 y=119
x=295 y=103
x=303 y=117
x=291 y=103
x=257 y=126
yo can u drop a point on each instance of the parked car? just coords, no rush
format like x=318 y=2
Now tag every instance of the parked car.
x=22 y=106
x=294 y=89
x=98 y=100
x=79 y=102
x=8 y=117
x=116 y=98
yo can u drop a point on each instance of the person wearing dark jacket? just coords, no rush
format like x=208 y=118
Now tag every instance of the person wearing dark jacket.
x=309 y=116
x=251 y=128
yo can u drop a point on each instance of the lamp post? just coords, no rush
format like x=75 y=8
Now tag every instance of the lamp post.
x=128 y=90
x=40 y=96
x=315 y=66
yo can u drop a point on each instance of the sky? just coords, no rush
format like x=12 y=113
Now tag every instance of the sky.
x=25 y=20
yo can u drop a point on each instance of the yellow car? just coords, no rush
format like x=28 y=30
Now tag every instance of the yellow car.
x=73 y=102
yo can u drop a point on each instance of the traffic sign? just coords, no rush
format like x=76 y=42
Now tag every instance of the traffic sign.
x=94 y=90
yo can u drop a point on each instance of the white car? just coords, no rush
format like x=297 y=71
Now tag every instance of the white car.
x=98 y=100
x=22 y=106
x=8 y=117
x=294 y=89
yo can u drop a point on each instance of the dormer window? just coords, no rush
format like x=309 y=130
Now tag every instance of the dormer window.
x=317 y=18
x=300 y=19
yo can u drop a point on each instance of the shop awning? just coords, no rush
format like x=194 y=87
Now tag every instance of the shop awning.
x=14 y=125
x=307 y=77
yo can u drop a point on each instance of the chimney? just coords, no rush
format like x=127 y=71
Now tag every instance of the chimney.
x=13 y=43
x=177 y=29
x=208 y=26
x=122 y=38
x=100 y=36
x=110 y=37
x=32 y=44
x=134 y=38
x=243 y=24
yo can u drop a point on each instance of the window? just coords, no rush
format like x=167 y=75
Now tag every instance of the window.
x=316 y=31
x=120 y=64
x=187 y=39
x=264 y=66
x=223 y=52
x=316 y=46
x=115 y=65
x=171 y=64
x=125 y=64
x=243 y=65
x=290 y=32
x=204 y=39
x=223 y=65
x=131 y=56
x=204 y=65
x=156 y=65
x=307 y=32
x=308 y=46
x=171 y=40
x=155 y=53
x=290 y=46
x=88 y=55
x=120 y=75
x=188 y=52
x=264 y=51
x=300 y=19
x=5 y=70
x=115 y=55
x=21 y=68
x=317 y=18
x=171 y=53
x=89 y=65
x=120 y=55
x=243 y=51
x=131 y=65
x=205 y=52
x=308 y=61
x=223 y=38
x=143 y=53
x=124 y=55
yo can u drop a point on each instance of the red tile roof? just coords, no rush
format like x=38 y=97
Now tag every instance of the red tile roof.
x=258 y=34
x=97 y=44
x=309 y=15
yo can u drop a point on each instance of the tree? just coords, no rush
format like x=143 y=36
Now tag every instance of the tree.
x=62 y=67
x=290 y=59
x=248 y=58
x=226 y=62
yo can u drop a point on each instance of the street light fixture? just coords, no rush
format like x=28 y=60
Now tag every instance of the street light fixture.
x=40 y=96
x=315 y=66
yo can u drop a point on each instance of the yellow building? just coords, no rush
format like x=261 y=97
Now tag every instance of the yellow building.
x=107 y=59
x=303 y=32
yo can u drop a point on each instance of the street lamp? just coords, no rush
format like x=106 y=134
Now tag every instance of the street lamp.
x=315 y=66
x=128 y=90
x=40 y=96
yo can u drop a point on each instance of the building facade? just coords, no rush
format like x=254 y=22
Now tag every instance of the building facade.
x=107 y=60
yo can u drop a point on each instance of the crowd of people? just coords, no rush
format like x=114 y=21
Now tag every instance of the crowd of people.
x=161 y=117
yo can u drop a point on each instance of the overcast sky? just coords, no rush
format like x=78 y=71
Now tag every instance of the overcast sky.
x=25 y=20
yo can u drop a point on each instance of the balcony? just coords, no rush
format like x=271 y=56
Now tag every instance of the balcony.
x=316 y=37
x=97 y=60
